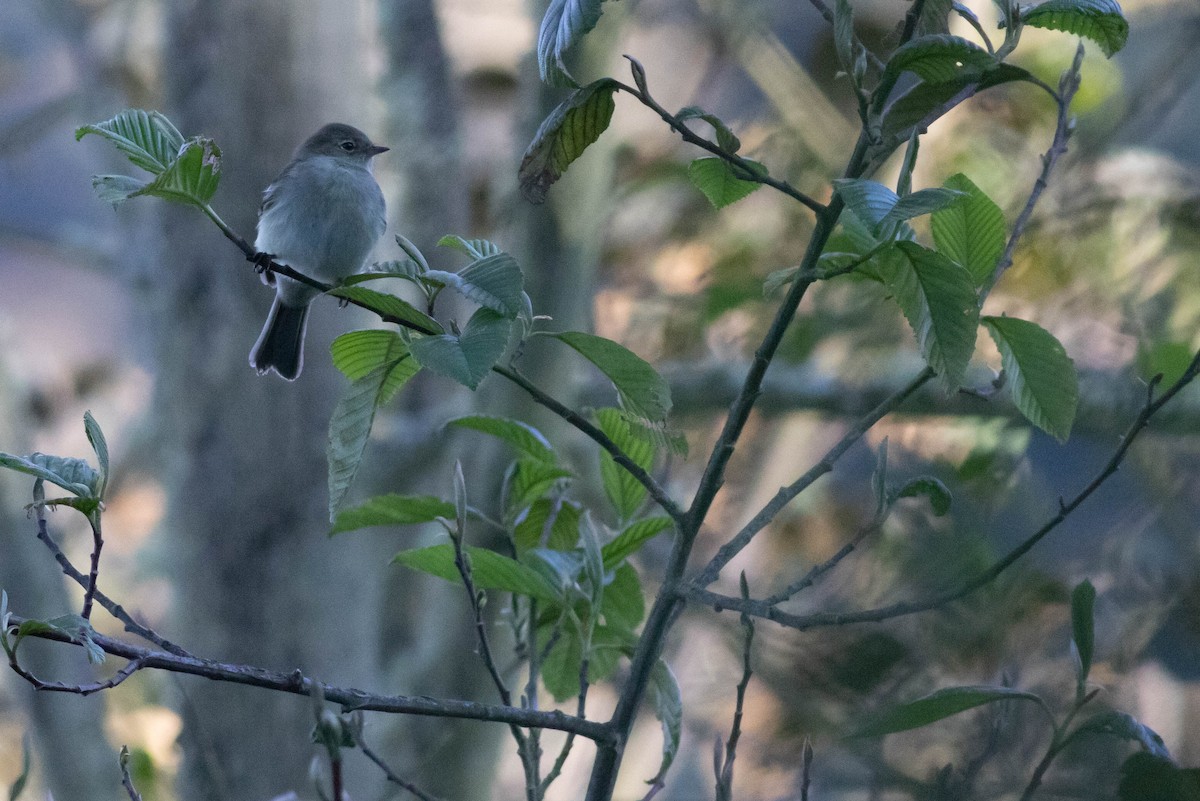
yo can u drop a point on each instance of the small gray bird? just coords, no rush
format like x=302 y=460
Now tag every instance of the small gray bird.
x=322 y=217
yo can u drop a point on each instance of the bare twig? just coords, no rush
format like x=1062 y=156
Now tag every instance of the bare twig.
x=349 y=698
x=809 y=578
x=113 y=608
x=743 y=168
x=388 y=773
x=761 y=609
x=126 y=779
x=581 y=713
x=806 y=769
x=724 y=789
x=785 y=494
x=76 y=689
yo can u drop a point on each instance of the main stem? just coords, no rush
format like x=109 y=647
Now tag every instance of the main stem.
x=670 y=600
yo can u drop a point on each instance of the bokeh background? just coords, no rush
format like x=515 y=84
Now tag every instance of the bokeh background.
x=216 y=529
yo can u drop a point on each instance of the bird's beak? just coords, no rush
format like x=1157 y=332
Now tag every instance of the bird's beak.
x=375 y=150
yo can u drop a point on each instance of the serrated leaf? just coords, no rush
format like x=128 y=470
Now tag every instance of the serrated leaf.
x=494 y=282
x=192 y=177
x=389 y=307
x=404 y=269
x=632 y=538
x=1041 y=377
x=570 y=128
x=116 y=189
x=522 y=436
x=870 y=201
x=937 y=706
x=147 y=138
x=549 y=522
x=469 y=356
x=100 y=446
x=1098 y=20
x=924 y=201
x=560 y=668
x=624 y=491
x=489 y=570
x=74 y=475
x=668 y=708
x=917 y=107
x=350 y=426
x=358 y=353
x=565 y=23
x=624 y=603
x=719 y=182
x=938 y=58
x=1083 y=632
x=475 y=248
x=937 y=297
x=938 y=494
x=642 y=390
x=725 y=137
x=74 y=627
x=1148 y=777
x=970 y=232
x=392 y=510
x=530 y=479
x=593 y=568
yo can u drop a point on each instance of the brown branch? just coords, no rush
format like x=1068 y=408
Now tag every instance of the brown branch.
x=349 y=698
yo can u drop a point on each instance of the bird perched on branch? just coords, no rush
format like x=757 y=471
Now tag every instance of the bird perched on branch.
x=322 y=217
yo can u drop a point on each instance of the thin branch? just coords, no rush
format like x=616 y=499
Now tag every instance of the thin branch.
x=581 y=713
x=785 y=494
x=806 y=769
x=759 y=608
x=743 y=168
x=76 y=689
x=724 y=790
x=113 y=608
x=581 y=423
x=126 y=779
x=388 y=773
x=349 y=698
x=1063 y=129
x=809 y=578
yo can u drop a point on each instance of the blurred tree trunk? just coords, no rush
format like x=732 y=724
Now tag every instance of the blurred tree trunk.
x=256 y=578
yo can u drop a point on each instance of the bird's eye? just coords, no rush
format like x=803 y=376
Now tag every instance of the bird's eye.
x=348 y=146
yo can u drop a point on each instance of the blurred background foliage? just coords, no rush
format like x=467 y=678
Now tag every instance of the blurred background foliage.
x=216 y=529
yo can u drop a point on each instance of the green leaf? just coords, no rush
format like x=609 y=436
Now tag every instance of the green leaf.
x=530 y=479
x=190 y=178
x=934 y=18
x=922 y=202
x=1041 y=377
x=870 y=201
x=522 y=436
x=643 y=391
x=1127 y=727
x=938 y=299
x=494 y=282
x=719 y=182
x=392 y=510
x=1098 y=20
x=100 y=446
x=565 y=23
x=624 y=603
x=939 y=58
x=593 y=568
x=405 y=269
x=624 y=491
x=549 y=522
x=1148 y=777
x=116 y=189
x=843 y=34
x=74 y=627
x=725 y=137
x=388 y=307
x=357 y=353
x=469 y=356
x=668 y=708
x=565 y=134
x=939 y=705
x=351 y=422
x=970 y=232
x=74 y=475
x=560 y=668
x=917 y=107
x=475 y=248
x=18 y=785
x=489 y=570
x=146 y=137
x=937 y=493
x=632 y=538
x=1083 y=632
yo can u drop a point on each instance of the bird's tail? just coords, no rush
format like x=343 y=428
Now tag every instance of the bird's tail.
x=280 y=346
